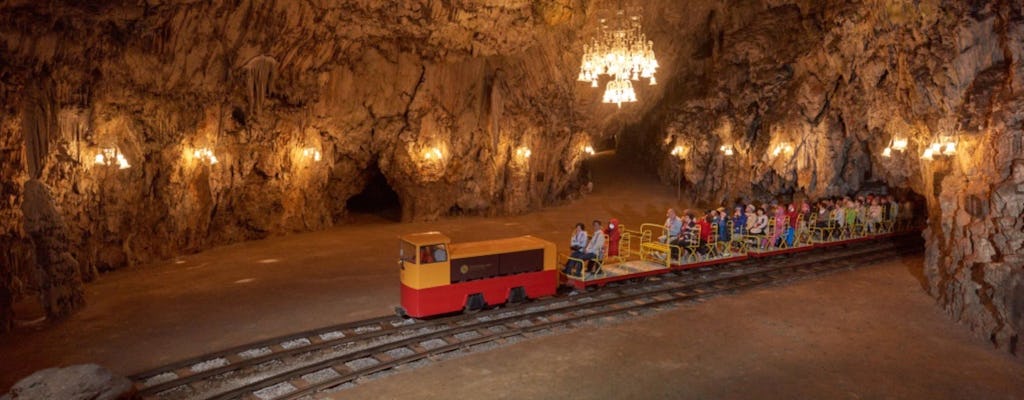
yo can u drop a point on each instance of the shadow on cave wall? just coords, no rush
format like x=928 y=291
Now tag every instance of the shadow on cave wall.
x=376 y=202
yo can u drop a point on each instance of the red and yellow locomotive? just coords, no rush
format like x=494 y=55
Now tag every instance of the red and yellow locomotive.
x=440 y=277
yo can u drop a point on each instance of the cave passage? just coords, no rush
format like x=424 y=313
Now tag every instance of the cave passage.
x=377 y=200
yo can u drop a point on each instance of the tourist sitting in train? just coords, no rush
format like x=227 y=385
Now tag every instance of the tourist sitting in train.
x=739 y=220
x=760 y=222
x=577 y=244
x=874 y=215
x=686 y=232
x=722 y=221
x=704 y=224
x=824 y=213
x=672 y=226
x=594 y=249
x=614 y=234
x=775 y=240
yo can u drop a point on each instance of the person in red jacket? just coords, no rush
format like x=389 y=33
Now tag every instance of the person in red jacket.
x=614 y=233
x=705 y=232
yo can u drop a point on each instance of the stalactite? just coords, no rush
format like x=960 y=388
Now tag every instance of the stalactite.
x=39 y=124
x=260 y=74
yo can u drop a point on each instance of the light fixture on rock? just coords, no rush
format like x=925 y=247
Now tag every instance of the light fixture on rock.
x=678 y=151
x=621 y=51
x=727 y=150
x=588 y=149
x=433 y=154
x=782 y=147
x=523 y=153
x=111 y=156
x=312 y=153
x=205 y=154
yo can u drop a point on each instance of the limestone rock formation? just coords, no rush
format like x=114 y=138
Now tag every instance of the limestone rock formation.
x=836 y=81
x=305 y=103
x=77 y=382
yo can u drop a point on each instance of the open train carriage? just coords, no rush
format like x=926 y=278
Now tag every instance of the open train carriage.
x=440 y=277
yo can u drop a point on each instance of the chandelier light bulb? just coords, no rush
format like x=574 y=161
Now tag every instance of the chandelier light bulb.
x=886 y=152
x=927 y=154
x=588 y=149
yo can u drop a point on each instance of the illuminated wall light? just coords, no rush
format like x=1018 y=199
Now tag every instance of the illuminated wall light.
x=887 y=152
x=312 y=152
x=727 y=150
x=678 y=151
x=927 y=154
x=588 y=149
x=899 y=144
x=782 y=147
x=949 y=149
x=110 y=156
x=205 y=154
x=524 y=153
x=433 y=153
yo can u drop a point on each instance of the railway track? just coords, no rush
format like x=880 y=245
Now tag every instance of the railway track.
x=304 y=364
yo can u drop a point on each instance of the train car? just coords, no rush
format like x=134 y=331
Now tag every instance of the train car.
x=440 y=277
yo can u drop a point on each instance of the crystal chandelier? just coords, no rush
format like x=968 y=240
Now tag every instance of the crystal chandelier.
x=621 y=51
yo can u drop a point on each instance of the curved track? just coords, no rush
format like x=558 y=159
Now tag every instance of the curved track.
x=303 y=364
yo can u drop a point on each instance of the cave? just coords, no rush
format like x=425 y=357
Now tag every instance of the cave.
x=377 y=199
x=180 y=179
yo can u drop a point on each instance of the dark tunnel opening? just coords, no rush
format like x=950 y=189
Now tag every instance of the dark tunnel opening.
x=376 y=201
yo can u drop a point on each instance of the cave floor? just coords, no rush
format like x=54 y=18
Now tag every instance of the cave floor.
x=871 y=332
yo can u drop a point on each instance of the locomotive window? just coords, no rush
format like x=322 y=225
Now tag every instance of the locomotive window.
x=407 y=252
x=433 y=254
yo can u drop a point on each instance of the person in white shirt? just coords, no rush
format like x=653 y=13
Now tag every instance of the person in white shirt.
x=577 y=244
x=672 y=226
x=594 y=249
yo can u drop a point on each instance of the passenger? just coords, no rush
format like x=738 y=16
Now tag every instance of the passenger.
x=824 y=213
x=894 y=209
x=739 y=221
x=874 y=217
x=425 y=256
x=594 y=249
x=682 y=240
x=705 y=233
x=850 y=218
x=577 y=243
x=672 y=225
x=723 y=225
x=614 y=233
x=780 y=227
x=760 y=223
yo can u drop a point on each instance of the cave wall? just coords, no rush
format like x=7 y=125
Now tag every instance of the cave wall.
x=836 y=80
x=362 y=82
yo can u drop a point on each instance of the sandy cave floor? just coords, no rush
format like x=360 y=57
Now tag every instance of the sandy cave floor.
x=867 y=333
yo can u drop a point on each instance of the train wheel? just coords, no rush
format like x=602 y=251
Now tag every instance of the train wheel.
x=474 y=303
x=517 y=295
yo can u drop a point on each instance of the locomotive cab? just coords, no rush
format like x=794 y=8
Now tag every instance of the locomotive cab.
x=424 y=260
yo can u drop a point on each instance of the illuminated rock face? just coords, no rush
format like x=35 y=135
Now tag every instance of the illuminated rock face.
x=440 y=95
x=836 y=80
x=364 y=84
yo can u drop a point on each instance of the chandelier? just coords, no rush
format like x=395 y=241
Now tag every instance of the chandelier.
x=621 y=51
